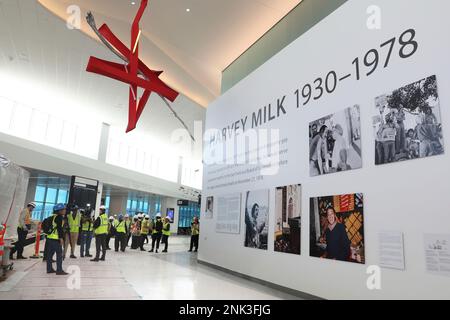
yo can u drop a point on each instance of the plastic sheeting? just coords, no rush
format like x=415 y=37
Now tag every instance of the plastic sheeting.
x=13 y=190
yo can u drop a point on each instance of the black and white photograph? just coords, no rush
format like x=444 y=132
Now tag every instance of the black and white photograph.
x=335 y=142
x=209 y=212
x=256 y=219
x=288 y=218
x=408 y=124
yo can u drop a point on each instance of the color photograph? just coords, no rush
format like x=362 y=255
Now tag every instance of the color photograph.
x=288 y=211
x=335 y=142
x=337 y=228
x=408 y=124
x=256 y=219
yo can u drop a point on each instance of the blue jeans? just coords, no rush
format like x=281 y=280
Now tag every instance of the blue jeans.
x=85 y=245
x=53 y=246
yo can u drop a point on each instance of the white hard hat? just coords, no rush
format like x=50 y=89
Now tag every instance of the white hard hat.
x=127 y=216
x=139 y=215
x=158 y=214
x=147 y=216
x=32 y=204
x=102 y=208
x=111 y=218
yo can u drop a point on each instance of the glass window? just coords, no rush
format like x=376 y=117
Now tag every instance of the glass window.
x=63 y=196
x=51 y=195
x=40 y=194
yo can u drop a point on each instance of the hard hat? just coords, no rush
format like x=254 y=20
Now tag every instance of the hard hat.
x=140 y=216
x=111 y=218
x=135 y=218
x=158 y=214
x=32 y=204
x=102 y=208
x=147 y=216
x=59 y=207
x=127 y=215
x=120 y=216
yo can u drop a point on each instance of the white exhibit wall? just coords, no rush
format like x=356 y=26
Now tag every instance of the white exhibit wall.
x=408 y=196
x=169 y=202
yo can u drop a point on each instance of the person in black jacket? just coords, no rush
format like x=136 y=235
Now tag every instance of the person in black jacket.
x=157 y=227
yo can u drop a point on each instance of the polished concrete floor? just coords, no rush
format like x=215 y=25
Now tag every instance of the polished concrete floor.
x=133 y=275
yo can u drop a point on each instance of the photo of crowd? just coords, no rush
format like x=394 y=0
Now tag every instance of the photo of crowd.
x=337 y=228
x=335 y=142
x=256 y=219
x=407 y=124
x=288 y=208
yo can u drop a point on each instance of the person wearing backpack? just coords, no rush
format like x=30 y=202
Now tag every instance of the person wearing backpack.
x=100 y=231
x=55 y=238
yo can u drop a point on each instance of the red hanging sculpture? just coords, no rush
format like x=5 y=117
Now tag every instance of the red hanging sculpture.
x=134 y=72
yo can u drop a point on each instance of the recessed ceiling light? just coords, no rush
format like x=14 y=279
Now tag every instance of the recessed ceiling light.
x=133 y=3
x=188 y=10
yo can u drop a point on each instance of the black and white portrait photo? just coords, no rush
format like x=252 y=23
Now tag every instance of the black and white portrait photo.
x=256 y=219
x=335 y=142
x=407 y=123
x=209 y=211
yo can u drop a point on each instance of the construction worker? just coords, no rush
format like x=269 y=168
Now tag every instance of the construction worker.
x=87 y=225
x=74 y=221
x=55 y=240
x=22 y=230
x=195 y=232
x=145 y=227
x=100 y=231
x=157 y=227
x=135 y=232
x=128 y=227
x=166 y=233
x=110 y=231
x=121 y=234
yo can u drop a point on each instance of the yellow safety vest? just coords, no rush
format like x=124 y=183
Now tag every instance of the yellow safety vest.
x=54 y=235
x=120 y=226
x=195 y=229
x=166 y=229
x=74 y=223
x=103 y=227
x=127 y=224
x=87 y=226
x=145 y=227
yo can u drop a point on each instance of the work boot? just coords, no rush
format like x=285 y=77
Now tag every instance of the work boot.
x=95 y=260
x=156 y=251
x=89 y=256
x=150 y=250
x=52 y=271
x=102 y=258
x=164 y=251
x=21 y=258
x=81 y=255
x=72 y=256
x=61 y=273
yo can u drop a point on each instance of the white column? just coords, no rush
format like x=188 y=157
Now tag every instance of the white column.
x=99 y=199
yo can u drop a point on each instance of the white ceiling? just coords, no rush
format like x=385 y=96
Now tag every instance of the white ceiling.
x=37 y=48
x=191 y=47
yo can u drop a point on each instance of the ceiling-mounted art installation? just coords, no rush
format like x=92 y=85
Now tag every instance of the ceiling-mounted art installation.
x=133 y=72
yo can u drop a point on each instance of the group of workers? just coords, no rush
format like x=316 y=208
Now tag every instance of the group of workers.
x=69 y=226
